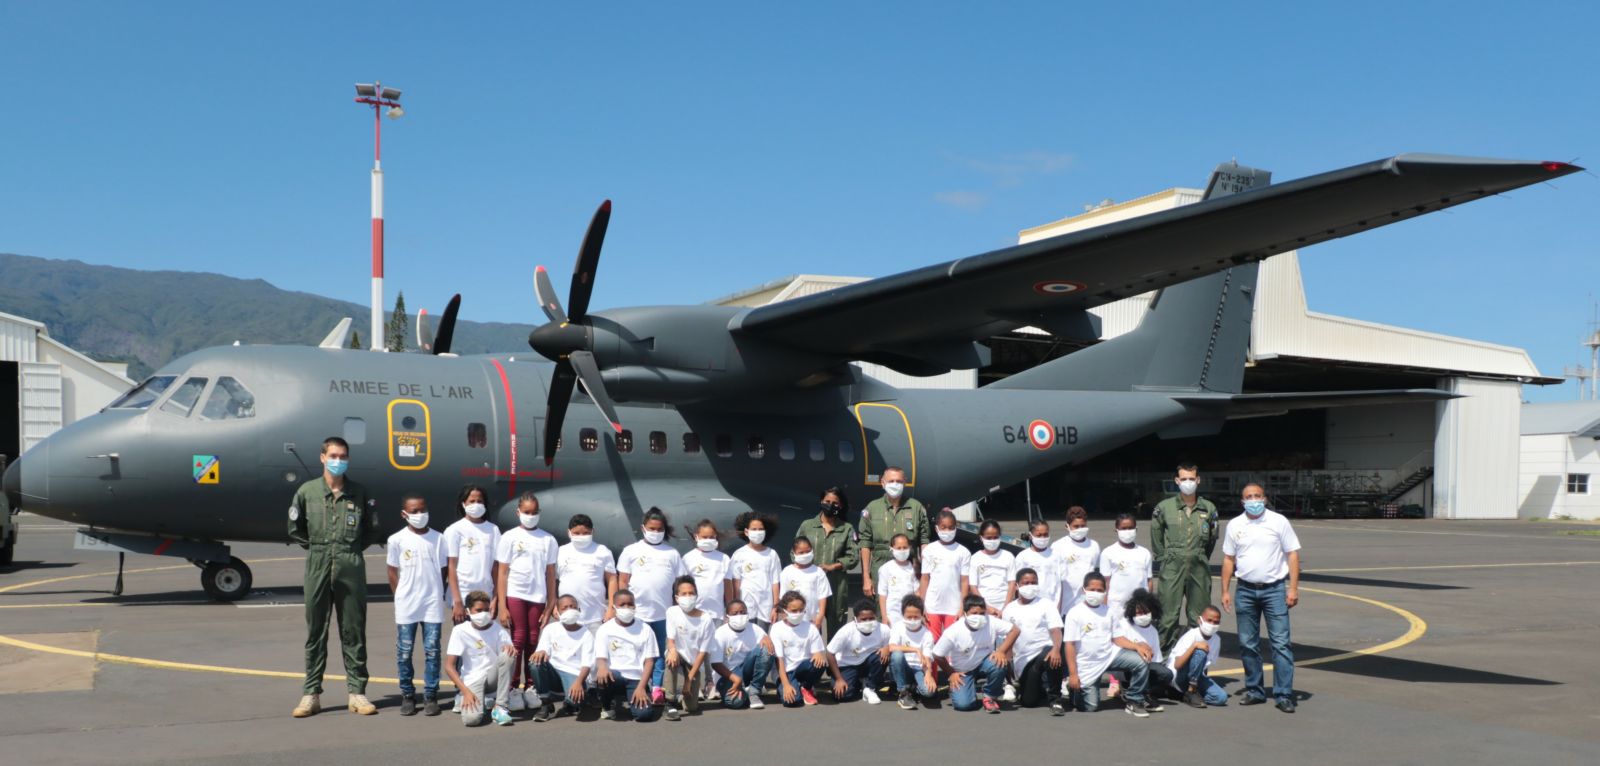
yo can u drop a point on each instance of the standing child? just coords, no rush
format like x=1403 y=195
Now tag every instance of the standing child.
x=896 y=579
x=1079 y=556
x=1137 y=631
x=689 y=631
x=469 y=545
x=806 y=578
x=1087 y=631
x=625 y=650
x=712 y=569
x=1126 y=565
x=1038 y=661
x=757 y=569
x=527 y=574
x=742 y=655
x=910 y=653
x=989 y=572
x=562 y=660
x=416 y=577
x=800 y=654
x=1044 y=560
x=944 y=575
x=978 y=646
x=587 y=571
x=1193 y=655
x=855 y=656
x=648 y=569
x=485 y=653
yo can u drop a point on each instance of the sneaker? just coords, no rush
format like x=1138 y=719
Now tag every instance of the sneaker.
x=1058 y=708
x=1153 y=704
x=807 y=696
x=310 y=705
x=605 y=713
x=360 y=705
x=1113 y=688
x=500 y=716
x=1251 y=699
x=908 y=700
x=620 y=713
x=515 y=702
x=673 y=713
x=430 y=706
x=1010 y=694
x=1136 y=709
x=1193 y=698
x=871 y=696
x=546 y=712
x=408 y=705
x=455 y=704
x=1286 y=705
x=990 y=706
x=658 y=696
x=755 y=700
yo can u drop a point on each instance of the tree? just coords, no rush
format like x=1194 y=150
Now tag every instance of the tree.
x=398 y=323
x=355 y=339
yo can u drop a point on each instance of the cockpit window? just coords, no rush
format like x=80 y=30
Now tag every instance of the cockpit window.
x=144 y=394
x=229 y=400
x=184 y=397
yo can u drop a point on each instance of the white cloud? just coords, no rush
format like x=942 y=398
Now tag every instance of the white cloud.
x=1010 y=170
x=962 y=200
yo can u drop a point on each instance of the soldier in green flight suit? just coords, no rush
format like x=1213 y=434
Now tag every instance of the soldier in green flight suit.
x=334 y=520
x=1183 y=533
x=834 y=541
x=882 y=519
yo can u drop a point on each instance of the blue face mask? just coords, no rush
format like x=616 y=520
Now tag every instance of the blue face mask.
x=337 y=467
x=1255 y=507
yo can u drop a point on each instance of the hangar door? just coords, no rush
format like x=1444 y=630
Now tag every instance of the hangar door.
x=886 y=440
x=41 y=401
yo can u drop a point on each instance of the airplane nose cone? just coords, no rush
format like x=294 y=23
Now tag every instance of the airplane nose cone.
x=11 y=485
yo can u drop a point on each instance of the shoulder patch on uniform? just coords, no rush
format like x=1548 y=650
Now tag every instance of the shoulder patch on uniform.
x=294 y=513
x=372 y=503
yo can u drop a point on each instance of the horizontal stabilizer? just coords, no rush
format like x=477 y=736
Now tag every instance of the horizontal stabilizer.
x=1254 y=405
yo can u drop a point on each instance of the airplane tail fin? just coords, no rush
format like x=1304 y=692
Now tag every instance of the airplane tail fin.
x=1194 y=337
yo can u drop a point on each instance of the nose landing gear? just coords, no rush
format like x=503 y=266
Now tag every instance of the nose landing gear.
x=222 y=575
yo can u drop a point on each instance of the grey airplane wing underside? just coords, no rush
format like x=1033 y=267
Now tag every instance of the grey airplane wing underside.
x=930 y=316
x=1261 y=404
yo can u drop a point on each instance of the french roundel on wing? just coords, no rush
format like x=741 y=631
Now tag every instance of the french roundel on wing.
x=1058 y=287
x=1041 y=434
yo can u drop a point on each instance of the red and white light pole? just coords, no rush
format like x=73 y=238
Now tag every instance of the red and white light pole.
x=379 y=98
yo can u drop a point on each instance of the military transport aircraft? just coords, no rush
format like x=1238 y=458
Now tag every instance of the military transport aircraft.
x=708 y=411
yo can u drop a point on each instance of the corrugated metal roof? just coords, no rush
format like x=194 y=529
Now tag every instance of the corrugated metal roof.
x=1574 y=418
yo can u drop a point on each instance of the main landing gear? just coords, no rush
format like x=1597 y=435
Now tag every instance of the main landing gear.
x=222 y=575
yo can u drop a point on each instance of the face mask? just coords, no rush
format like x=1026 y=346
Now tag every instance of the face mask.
x=706 y=543
x=757 y=536
x=687 y=602
x=738 y=621
x=1142 y=620
x=794 y=618
x=582 y=541
x=482 y=619
x=901 y=554
x=654 y=537
x=867 y=627
x=913 y=625
x=625 y=614
x=1078 y=535
x=528 y=520
x=831 y=510
x=976 y=621
x=893 y=489
x=569 y=617
x=1255 y=507
x=947 y=535
x=1029 y=592
x=1094 y=597
x=1208 y=629
x=1187 y=486
x=1040 y=542
x=475 y=510
x=991 y=544
x=804 y=559
x=1127 y=536
x=336 y=466
x=417 y=520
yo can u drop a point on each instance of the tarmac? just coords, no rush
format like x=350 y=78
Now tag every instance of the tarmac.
x=1417 y=642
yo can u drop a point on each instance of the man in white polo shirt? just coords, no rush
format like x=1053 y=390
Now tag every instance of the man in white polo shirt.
x=1263 y=550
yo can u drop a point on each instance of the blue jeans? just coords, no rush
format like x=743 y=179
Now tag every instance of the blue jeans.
x=620 y=693
x=753 y=673
x=1252 y=604
x=802 y=675
x=553 y=683
x=1132 y=665
x=1193 y=673
x=868 y=672
x=907 y=677
x=405 y=642
x=964 y=696
x=659 y=627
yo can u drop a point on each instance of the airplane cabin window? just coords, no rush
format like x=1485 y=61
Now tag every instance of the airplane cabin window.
x=184 y=397
x=756 y=447
x=691 y=444
x=355 y=431
x=477 y=435
x=658 y=442
x=588 y=439
x=144 y=394
x=847 y=452
x=818 y=454
x=786 y=449
x=724 y=445
x=624 y=441
x=229 y=400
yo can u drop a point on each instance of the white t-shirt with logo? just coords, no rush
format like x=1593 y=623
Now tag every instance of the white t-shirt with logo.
x=1147 y=635
x=711 y=572
x=1077 y=560
x=419 y=596
x=1126 y=570
x=625 y=647
x=652 y=568
x=730 y=646
x=1035 y=620
x=569 y=650
x=473 y=547
x=478 y=649
x=581 y=574
x=690 y=635
x=945 y=566
x=1048 y=564
x=1260 y=547
x=850 y=646
x=895 y=581
x=811 y=582
x=990 y=576
x=526 y=554
x=1089 y=627
x=756 y=572
x=922 y=638
x=965 y=648
x=796 y=643
x=1188 y=639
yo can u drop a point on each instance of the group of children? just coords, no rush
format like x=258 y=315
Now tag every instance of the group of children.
x=548 y=627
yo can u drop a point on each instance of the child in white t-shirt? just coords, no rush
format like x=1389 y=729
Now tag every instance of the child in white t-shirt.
x=978 y=646
x=562 y=659
x=1194 y=654
x=801 y=655
x=587 y=571
x=712 y=569
x=741 y=654
x=855 y=655
x=896 y=579
x=990 y=570
x=1037 y=663
x=689 y=631
x=757 y=568
x=1087 y=632
x=469 y=547
x=625 y=651
x=417 y=565
x=944 y=575
x=807 y=579
x=910 y=651
x=483 y=650
x=1136 y=632
x=1128 y=566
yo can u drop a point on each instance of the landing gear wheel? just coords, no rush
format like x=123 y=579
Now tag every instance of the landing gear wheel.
x=226 y=582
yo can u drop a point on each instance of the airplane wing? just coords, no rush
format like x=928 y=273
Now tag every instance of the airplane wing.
x=1257 y=405
x=926 y=320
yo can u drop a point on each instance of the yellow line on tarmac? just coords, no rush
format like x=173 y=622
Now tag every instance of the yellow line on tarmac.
x=1458 y=566
x=51 y=580
x=1417 y=628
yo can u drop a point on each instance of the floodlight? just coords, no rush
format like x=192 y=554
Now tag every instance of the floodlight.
x=391 y=94
x=366 y=89
x=396 y=113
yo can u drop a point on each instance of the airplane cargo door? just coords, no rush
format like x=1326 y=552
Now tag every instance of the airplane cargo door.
x=886 y=440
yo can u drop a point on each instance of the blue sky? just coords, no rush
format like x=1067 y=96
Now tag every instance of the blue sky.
x=743 y=142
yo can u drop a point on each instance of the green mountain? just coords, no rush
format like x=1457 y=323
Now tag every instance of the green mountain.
x=148 y=318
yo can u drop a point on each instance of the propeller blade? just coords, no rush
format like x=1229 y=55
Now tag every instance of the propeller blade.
x=424 y=335
x=589 y=373
x=546 y=292
x=447 y=326
x=561 y=382
x=588 y=261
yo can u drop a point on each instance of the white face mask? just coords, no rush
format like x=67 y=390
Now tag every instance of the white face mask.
x=901 y=554
x=582 y=541
x=1187 y=486
x=417 y=520
x=1078 y=535
x=654 y=536
x=794 y=618
x=1029 y=592
x=991 y=543
x=1208 y=629
x=1142 y=620
x=687 y=602
x=706 y=543
x=482 y=619
x=893 y=489
x=475 y=510
x=1127 y=536
x=570 y=616
x=757 y=536
x=867 y=627
x=1040 y=542
x=738 y=621
x=625 y=614
x=528 y=520
x=976 y=621
x=912 y=625
x=947 y=535
x=1094 y=597
x=804 y=559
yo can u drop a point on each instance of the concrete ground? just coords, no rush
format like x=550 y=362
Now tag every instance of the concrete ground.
x=1418 y=642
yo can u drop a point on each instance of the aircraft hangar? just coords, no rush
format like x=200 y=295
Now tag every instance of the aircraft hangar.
x=45 y=385
x=1457 y=459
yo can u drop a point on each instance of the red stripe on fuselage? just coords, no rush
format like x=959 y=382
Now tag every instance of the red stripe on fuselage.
x=511 y=424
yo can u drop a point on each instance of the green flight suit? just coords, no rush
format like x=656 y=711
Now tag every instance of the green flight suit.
x=879 y=525
x=1181 y=540
x=334 y=527
x=841 y=546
